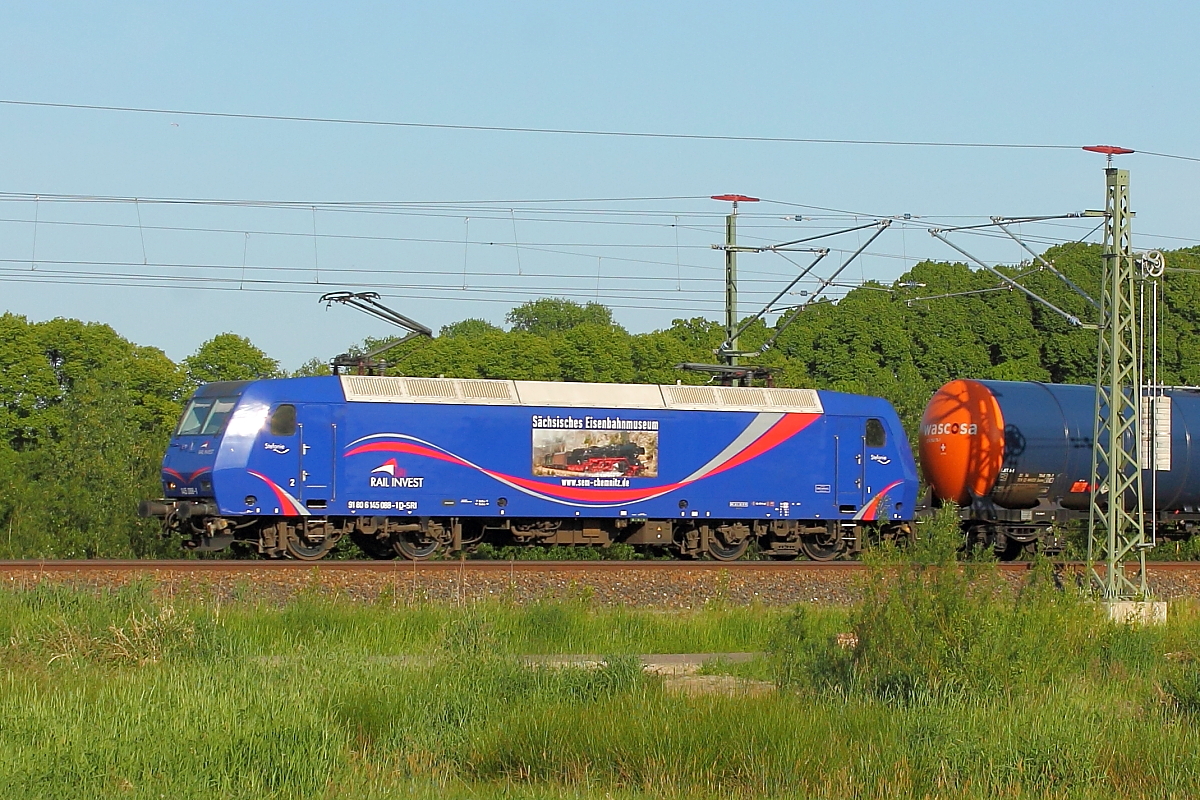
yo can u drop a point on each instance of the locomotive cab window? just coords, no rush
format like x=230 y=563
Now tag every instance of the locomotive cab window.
x=205 y=416
x=876 y=433
x=283 y=420
x=193 y=416
x=221 y=409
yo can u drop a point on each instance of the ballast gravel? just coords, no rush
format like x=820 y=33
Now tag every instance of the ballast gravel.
x=638 y=585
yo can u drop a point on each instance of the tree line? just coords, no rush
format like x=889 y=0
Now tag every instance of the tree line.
x=85 y=415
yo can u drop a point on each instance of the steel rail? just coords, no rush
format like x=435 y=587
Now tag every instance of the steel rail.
x=285 y=565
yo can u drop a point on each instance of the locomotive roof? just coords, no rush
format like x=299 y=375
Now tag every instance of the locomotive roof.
x=473 y=391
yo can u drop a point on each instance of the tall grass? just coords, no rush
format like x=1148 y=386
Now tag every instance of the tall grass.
x=958 y=686
x=931 y=626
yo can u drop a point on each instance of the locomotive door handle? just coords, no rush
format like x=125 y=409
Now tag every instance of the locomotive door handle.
x=858 y=459
x=858 y=482
x=304 y=475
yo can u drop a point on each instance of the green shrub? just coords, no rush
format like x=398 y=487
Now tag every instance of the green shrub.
x=931 y=626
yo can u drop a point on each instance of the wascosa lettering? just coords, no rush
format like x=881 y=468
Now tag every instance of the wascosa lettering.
x=943 y=428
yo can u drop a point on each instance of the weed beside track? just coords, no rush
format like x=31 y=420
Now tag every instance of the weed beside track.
x=945 y=682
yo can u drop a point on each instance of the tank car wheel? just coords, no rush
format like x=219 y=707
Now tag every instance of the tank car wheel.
x=979 y=536
x=1009 y=549
x=414 y=547
x=822 y=546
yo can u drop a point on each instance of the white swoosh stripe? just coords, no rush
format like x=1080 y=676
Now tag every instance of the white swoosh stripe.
x=758 y=426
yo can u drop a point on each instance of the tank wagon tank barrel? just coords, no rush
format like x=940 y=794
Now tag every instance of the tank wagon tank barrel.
x=1017 y=458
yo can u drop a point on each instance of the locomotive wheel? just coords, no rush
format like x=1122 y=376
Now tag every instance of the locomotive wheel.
x=380 y=551
x=721 y=551
x=299 y=547
x=414 y=546
x=822 y=546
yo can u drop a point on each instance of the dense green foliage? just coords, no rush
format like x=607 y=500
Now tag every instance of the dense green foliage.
x=84 y=414
x=84 y=420
x=125 y=694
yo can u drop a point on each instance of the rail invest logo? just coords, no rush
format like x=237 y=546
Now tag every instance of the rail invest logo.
x=390 y=475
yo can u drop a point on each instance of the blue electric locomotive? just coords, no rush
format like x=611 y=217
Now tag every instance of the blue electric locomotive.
x=408 y=466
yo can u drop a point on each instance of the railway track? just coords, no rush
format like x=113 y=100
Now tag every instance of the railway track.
x=480 y=566
x=665 y=585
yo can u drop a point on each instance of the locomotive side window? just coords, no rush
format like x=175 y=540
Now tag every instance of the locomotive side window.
x=283 y=420
x=876 y=433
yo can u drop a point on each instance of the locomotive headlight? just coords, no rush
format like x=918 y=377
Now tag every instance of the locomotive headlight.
x=248 y=420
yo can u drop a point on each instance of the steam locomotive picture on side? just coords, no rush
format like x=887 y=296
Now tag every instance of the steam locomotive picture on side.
x=624 y=454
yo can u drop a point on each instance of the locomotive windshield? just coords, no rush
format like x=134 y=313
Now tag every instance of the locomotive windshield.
x=205 y=416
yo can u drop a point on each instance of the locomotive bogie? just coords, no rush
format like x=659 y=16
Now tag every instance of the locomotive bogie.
x=311 y=538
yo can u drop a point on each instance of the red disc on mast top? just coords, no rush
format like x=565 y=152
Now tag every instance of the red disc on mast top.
x=736 y=198
x=1108 y=149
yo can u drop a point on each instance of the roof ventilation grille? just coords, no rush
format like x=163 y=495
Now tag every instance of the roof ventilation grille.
x=430 y=387
x=690 y=395
x=486 y=390
x=742 y=396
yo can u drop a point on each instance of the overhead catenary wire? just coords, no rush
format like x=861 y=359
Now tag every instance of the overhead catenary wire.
x=316 y=260
x=33 y=256
x=466 y=245
x=552 y=248
x=711 y=137
x=432 y=210
x=546 y=250
x=245 y=250
x=516 y=246
x=141 y=232
x=691 y=298
x=645 y=289
x=298 y=287
x=438 y=209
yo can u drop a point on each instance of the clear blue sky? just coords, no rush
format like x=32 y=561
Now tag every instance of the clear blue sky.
x=1042 y=73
